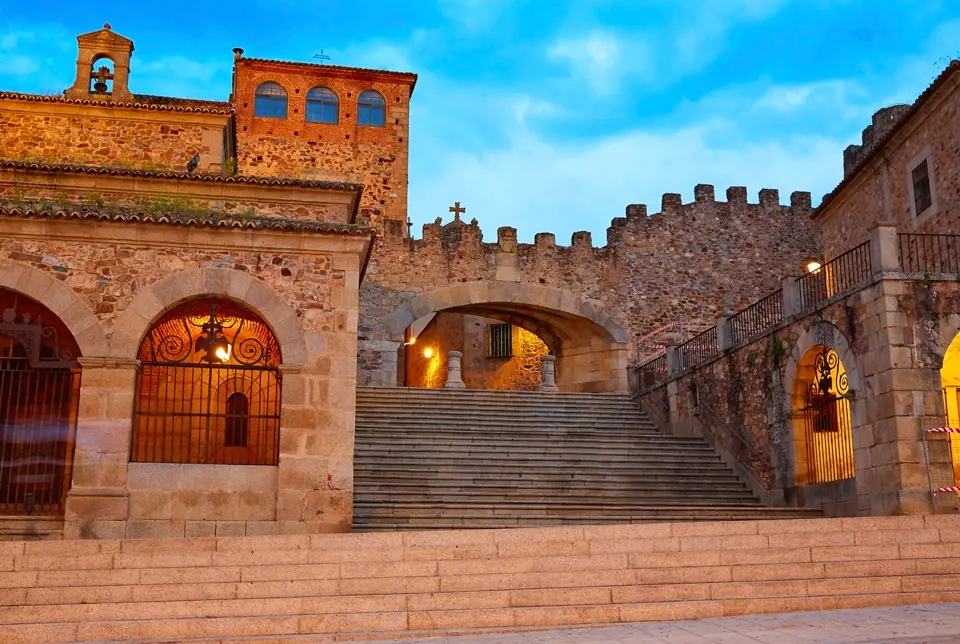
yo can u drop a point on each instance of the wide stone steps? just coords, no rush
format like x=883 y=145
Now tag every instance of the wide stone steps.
x=324 y=588
x=442 y=459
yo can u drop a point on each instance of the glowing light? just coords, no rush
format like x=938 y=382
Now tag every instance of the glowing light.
x=428 y=353
x=223 y=353
x=813 y=267
x=412 y=341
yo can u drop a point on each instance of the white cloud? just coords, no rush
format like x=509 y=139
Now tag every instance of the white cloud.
x=475 y=15
x=600 y=59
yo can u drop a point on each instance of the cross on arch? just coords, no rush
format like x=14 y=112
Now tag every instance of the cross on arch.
x=457 y=210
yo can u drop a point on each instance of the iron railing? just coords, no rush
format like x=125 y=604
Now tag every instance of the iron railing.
x=733 y=432
x=752 y=321
x=929 y=253
x=828 y=434
x=698 y=349
x=837 y=276
x=652 y=372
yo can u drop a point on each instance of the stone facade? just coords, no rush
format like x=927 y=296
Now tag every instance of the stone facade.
x=879 y=186
x=343 y=151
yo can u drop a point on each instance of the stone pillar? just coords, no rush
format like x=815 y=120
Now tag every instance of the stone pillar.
x=454 y=379
x=673 y=361
x=547 y=382
x=724 y=333
x=791 y=297
x=884 y=248
x=97 y=505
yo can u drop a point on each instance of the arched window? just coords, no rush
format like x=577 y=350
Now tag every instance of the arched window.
x=323 y=106
x=209 y=380
x=238 y=420
x=39 y=394
x=270 y=101
x=371 y=109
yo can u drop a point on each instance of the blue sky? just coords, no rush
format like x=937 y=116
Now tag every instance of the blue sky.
x=552 y=116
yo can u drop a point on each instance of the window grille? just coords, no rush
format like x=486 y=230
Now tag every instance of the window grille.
x=208 y=389
x=371 y=109
x=323 y=106
x=922 y=196
x=270 y=101
x=500 y=344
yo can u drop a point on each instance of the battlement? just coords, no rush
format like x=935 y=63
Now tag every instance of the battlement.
x=883 y=121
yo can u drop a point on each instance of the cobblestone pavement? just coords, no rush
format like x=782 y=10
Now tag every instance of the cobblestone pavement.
x=930 y=624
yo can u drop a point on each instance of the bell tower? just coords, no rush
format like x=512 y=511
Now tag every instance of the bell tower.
x=103 y=67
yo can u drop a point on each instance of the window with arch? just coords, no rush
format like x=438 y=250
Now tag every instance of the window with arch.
x=323 y=106
x=823 y=427
x=371 y=109
x=270 y=101
x=208 y=389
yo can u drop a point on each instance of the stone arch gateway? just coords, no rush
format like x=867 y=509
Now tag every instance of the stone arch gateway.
x=590 y=346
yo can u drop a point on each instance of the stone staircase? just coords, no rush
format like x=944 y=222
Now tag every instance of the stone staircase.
x=438 y=459
x=321 y=588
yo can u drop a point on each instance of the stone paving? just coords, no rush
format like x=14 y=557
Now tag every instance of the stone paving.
x=929 y=624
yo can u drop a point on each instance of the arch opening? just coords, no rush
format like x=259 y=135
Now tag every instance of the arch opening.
x=102 y=70
x=502 y=341
x=39 y=401
x=823 y=427
x=950 y=382
x=208 y=388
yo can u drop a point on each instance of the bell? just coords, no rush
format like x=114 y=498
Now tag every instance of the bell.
x=100 y=87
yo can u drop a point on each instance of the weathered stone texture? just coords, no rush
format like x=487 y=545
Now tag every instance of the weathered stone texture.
x=693 y=261
x=345 y=151
x=65 y=133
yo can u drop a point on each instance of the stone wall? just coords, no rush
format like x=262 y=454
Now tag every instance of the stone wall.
x=66 y=132
x=444 y=333
x=881 y=189
x=345 y=151
x=693 y=261
x=520 y=372
x=108 y=282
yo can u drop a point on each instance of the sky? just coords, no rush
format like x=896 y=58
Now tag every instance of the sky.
x=551 y=116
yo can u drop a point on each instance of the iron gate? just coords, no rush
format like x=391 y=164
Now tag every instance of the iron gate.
x=828 y=430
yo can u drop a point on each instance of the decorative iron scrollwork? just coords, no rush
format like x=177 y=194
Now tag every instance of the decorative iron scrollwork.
x=41 y=342
x=829 y=379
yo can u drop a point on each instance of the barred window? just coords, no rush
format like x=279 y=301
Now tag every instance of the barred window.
x=500 y=341
x=922 y=196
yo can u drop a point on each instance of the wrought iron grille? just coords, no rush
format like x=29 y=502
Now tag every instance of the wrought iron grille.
x=208 y=390
x=698 y=349
x=828 y=431
x=500 y=344
x=837 y=276
x=758 y=317
x=922 y=196
x=653 y=372
x=929 y=253
x=39 y=394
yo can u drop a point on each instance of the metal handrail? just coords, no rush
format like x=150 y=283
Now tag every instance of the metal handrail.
x=733 y=431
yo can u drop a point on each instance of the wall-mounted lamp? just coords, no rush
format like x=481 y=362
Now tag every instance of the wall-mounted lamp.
x=428 y=353
x=813 y=266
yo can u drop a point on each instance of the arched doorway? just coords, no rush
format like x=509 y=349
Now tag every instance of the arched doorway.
x=950 y=381
x=823 y=428
x=208 y=389
x=39 y=394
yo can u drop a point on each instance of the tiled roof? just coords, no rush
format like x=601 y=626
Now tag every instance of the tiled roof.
x=871 y=152
x=183 y=176
x=410 y=76
x=213 y=220
x=142 y=101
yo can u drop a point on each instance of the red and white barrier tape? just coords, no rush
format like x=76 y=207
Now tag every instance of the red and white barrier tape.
x=952 y=488
x=947 y=430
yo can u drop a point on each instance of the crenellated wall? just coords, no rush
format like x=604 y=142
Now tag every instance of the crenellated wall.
x=690 y=261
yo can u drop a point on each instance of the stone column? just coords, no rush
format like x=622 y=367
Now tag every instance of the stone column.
x=97 y=504
x=724 y=333
x=791 y=297
x=454 y=379
x=884 y=249
x=547 y=381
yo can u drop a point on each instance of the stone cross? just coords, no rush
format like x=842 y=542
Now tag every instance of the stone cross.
x=457 y=210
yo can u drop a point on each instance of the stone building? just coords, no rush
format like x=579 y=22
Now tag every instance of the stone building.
x=192 y=291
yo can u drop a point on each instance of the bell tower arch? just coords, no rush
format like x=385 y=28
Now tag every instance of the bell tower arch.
x=103 y=67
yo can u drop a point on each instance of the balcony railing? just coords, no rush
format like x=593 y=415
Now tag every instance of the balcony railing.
x=929 y=253
x=758 y=317
x=699 y=349
x=653 y=372
x=839 y=275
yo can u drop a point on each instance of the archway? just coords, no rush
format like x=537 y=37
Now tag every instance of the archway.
x=950 y=381
x=822 y=419
x=208 y=388
x=39 y=396
x=590 y=348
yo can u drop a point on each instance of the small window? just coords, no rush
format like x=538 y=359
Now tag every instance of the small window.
x=500 y=344
x=371 y=109
x=238 y=420
x=270 y=101
x=922 y=197
x=323 y=106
